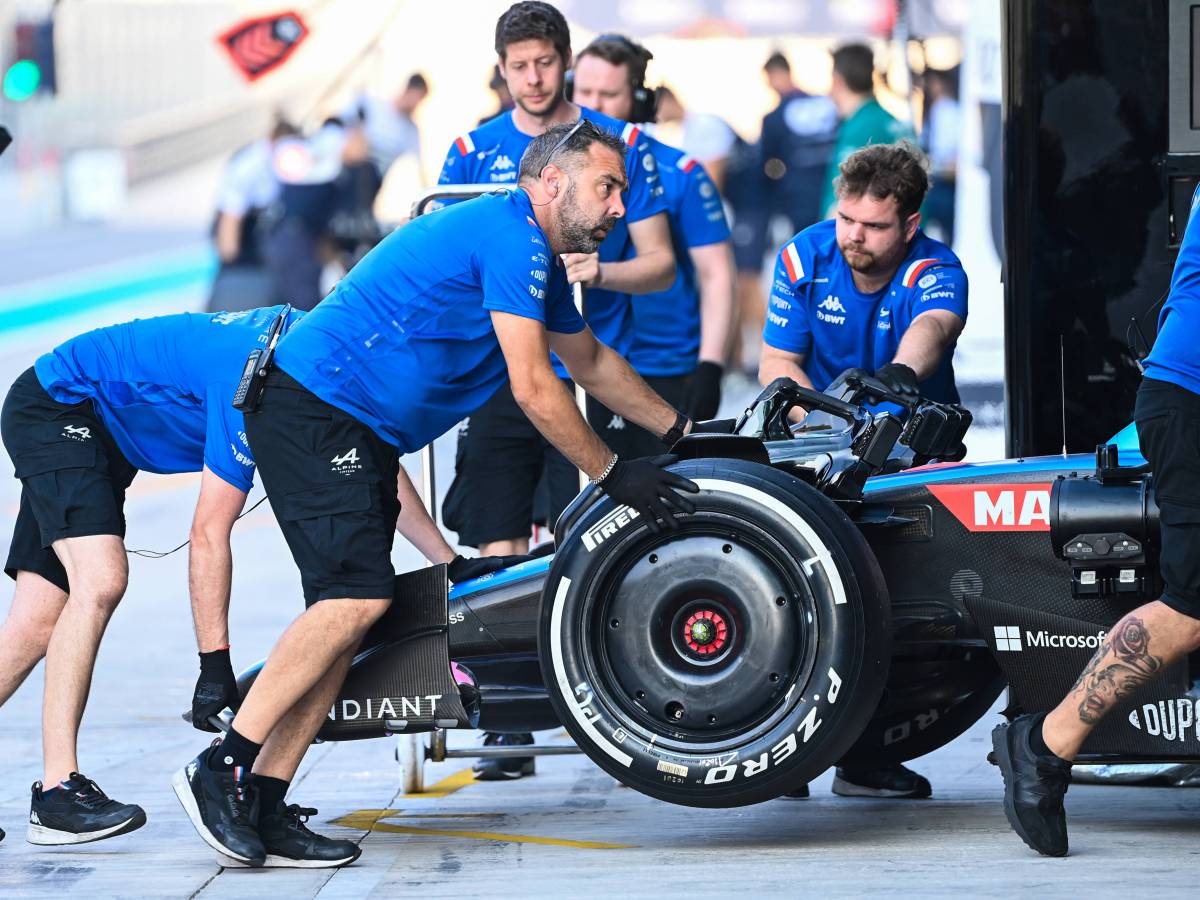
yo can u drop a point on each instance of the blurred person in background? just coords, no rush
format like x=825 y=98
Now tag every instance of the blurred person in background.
x=940 y=138
x=296 y=246
x=680 y=333
x=501 y=454
x=248 y=188
x=864 y=120
x=792 y=157
x=869 y=290
x=387 y=126
x=798 y=137
x=504 y=100
x=702 y=136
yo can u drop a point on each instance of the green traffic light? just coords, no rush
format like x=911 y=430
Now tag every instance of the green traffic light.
x=21 y=80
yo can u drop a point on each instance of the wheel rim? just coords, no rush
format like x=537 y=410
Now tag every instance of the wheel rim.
x=698 y=636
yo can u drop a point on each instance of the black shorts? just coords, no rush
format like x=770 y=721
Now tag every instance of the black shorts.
x=73 y=476
x=507 y=477
x=1168 y=422
x=332 y=485
x=500 y=460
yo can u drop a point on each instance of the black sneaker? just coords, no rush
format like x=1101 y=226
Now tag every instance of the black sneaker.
x=290 y=845
x=1034 y=786
x=223 y=806
x=504 y=768
x=799 y=793
x=893 y=782
x=77 y=812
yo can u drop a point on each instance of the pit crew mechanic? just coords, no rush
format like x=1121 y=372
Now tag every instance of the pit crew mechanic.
x=869 y=290
x=154 y=395
x=418 y=334
x=1034 y=752
x=501 y=454
x=680 y=333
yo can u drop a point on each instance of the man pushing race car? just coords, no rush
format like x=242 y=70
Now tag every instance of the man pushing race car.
x=422 y=331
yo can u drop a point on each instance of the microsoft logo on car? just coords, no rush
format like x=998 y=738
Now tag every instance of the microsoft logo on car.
x=1008 y=637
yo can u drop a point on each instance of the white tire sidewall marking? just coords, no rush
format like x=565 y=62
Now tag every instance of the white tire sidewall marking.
x=822 y=557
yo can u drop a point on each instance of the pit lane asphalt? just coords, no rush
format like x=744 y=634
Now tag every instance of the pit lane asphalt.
x=570 y=831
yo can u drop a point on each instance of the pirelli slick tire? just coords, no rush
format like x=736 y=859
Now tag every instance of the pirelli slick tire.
x=726 y=662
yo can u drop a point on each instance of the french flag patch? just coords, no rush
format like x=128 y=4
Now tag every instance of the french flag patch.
x=791 y=262
x=913 y=272
x=686 y=164
x=630 y=134
x=464 y=144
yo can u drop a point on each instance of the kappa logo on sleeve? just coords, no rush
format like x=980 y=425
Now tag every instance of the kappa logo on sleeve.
x=997 y=507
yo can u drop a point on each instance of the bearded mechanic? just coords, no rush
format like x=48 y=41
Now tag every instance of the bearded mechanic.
x=422 y=331
x=869 y=290
x=150 y=395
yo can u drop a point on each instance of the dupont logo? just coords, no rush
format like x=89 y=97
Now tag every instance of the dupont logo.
x=1168 y=719
x=608 y=526
x=1009 y=639
x=997 y=507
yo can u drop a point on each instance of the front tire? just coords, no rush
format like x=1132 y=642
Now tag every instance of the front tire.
x=724 y=663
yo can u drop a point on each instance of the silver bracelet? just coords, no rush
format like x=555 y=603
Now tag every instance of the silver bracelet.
x=612 y=464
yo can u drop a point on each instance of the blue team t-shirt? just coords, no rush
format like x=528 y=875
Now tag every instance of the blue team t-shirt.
x=667 y=324
x=405 y=342
x=1174 y=357
x=492 y=154
x=816 y=310
x=164 y=387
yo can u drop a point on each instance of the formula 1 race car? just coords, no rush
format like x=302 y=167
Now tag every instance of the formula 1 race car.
x=844 y=592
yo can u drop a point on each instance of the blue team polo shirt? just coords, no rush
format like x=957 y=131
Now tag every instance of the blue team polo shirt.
x=492 y=154
x=1175 y=356
x=667 y=324
x=816 y=310
x=405 y=342
x=164 y=387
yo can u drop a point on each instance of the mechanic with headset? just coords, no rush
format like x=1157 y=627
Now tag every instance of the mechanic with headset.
x=502 y=458
x=1034 y=752
x=422 y=331
x=869 y=290
x=154 y=395
x=680 y=333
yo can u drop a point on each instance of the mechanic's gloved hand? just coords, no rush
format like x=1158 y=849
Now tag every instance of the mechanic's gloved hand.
x=899 y=379
x=216 y=688
x=648 y=487
x=702 y=396
x=463 y=569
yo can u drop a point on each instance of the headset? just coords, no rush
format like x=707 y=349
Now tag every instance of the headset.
x=645 y=100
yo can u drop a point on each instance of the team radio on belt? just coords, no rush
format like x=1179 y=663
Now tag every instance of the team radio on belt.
x=468 y=316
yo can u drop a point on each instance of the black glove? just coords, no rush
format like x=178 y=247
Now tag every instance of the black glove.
x=216 y=688
x=899 y=379
x=648 y=487
x=702 y=395
x=463 y=569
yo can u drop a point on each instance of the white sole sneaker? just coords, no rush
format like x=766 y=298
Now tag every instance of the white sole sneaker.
x=286 y=862
x=53 y=837
x=183 y=790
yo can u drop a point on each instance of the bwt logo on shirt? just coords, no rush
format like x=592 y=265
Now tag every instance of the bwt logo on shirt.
x=827 y=307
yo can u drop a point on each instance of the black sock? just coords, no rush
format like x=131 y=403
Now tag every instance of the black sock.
x=232 y=752
x=271 y=792
x=1037 y=743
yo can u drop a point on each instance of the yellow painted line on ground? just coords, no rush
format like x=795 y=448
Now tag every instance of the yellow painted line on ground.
x=369 y=820
x=447 y=785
